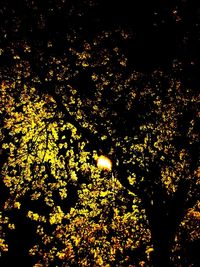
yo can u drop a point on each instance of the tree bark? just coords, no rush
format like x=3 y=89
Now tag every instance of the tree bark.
x=162 y=244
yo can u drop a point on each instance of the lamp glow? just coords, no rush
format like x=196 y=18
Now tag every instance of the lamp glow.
x=104 y=163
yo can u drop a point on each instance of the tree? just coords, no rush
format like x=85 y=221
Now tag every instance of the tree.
x=47 y=164
x=66 y=100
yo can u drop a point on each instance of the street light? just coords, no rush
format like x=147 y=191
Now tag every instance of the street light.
x=104 y=163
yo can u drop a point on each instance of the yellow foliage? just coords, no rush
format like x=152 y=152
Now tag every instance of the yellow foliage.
x=3 y=246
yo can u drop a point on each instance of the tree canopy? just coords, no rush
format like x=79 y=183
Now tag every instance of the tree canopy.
x=78 y=83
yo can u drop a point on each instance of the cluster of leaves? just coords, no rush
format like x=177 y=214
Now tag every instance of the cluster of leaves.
x=188 y=236
x=46 y=158
x=3 y=222
x=101 y=229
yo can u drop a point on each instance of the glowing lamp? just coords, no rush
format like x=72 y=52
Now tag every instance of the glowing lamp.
x=104 y=163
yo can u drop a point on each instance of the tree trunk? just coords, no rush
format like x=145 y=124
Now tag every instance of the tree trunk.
x=163 y=235
x=161 y=253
